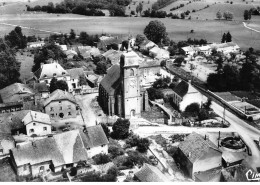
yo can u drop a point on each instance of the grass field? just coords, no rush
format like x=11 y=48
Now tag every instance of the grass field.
x=212 y=30
x=26 y=64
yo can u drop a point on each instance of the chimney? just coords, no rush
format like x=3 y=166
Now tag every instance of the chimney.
x=219 y=135
x=206 y=137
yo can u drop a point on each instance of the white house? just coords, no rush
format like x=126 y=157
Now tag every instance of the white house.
x=185 y=94
x=37 y=123
x=189 y=50
x=206 y=50
x=226 y=48
x=159 y=53
x=47 y=71
x=35 y=44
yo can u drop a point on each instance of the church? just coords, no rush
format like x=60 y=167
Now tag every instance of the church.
x=120 y=92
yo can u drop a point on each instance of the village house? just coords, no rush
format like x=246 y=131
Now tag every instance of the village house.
x=226 y=48
x=6 y=143
x=205 y=50
x=185 y=94
x=112 y=56
x=149 y=173
x=12 y=97
x=106 y=42
x=93 y=79
x=120 y=92
x=197 y=154
x=95 y=140
x=146 y=45
x=53 y=70
x=159 y=53
x=75 y=74
x=37 y=123
x=189 y=50
x=56 y=153
x=42 y=90
x=61 y=105
x=35 y=44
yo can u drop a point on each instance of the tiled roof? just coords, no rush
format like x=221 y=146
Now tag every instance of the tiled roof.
x=254 y=102
x=59 y=95
x=75 y=72
x=232 y=157
x=149 y=173
x=195 y=146
x=15 y=92
x=111 y=80
x=48 y=71
x=63 y=148
x=94 y=136
x=41 y=87
x=212 y=175
x=37 y=117
x=227 y=96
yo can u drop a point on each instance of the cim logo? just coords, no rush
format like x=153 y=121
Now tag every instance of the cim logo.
x=252 y=176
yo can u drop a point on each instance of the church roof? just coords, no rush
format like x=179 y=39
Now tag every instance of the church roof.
x=111 y=81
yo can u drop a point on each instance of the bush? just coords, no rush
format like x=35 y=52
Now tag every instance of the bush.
x=135 y=157
x=120 y=129
x=115 y=151
x=143 y=145
x=101 y=159
x=172 y=150
x=73 y=171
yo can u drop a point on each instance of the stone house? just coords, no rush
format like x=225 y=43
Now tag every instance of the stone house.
x=37 y=123
x=185 y=94
x=6 y=144
x=149 y=173
x=95 y=140
x=61 y=151
x=197 y=154
x=60 y=105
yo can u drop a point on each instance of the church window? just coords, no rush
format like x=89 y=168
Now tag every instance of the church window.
x=132 y=73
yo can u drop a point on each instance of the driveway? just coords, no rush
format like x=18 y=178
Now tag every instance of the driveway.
x=87 y=112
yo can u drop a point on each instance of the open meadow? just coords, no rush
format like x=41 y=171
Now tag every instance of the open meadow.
x=178 y=29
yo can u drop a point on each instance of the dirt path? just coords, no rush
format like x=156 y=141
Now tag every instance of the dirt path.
x=245 y=25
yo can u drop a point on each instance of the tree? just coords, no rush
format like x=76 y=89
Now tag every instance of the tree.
x=208 y=104
x=247 y=15
x=219 y=15
x=143 y=145
x=16 y=38
x=140 y=7
x=101 y=68
x=179 y=61
x=229 y=37
x=155 y=31
x=154 y=93
x=193 y=108
x=82 y=80
x=83 y=38
x=73 y=171
x=120 y=129
x=139 y=39
x=9 y=70
x=116 y=10
x=115 y=151
x=224 y=38
x=182 y=15
x=58 y=84
x=72 y=34
x=161 y=83
x=101 y=158
x=228 y=15
x=203 y=115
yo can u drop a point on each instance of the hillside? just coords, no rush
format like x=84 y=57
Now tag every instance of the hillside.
x=146 y=4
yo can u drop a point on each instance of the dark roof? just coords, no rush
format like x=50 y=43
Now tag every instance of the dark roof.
x=15 y=92
x=245 y=94
x=149 y=173
x=111 y=80
x=94 y=136
x=182 y=88
x=195 y=146
x=60 y=95
x=63 y=148
x=75 y=72
x=227 y=96
x=209 y=175
x=41 y=87
x=110 y=41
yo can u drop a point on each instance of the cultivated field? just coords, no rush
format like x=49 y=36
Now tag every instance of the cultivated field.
x=212 y=30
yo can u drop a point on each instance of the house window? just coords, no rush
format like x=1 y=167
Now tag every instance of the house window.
x=31 y=130
x=59 y=101
x=34 y=124
x=131 y=72
x=24 y=167
x=46 y=81
x=51 y=109
x=102 y=145
x=69 y=113
x=1 y=151
x=60 y=108
x=54 y=74
x=69 y=106
x=88 y=148
x=44 y=128
x=52 y=115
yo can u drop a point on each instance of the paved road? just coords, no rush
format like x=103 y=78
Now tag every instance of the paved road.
x=246 y=131
x=87 y=112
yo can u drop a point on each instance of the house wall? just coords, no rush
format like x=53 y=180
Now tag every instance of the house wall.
x=147 y=71
x=190 y=98
x=184 y=162
x=165 y=74
x=45 y=95
x=38 y=129
x=36 y=168
x=24 y=170
x=47 y=80
x=212 y=159
x=97 y=150
x=6 y=145
x=64 y=104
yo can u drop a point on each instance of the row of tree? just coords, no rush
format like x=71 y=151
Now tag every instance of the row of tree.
x=226 y=15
